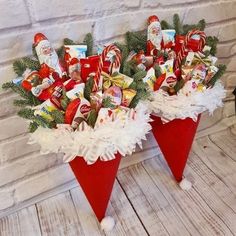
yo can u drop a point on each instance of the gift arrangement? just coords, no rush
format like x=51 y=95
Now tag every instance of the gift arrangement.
x=96 y=107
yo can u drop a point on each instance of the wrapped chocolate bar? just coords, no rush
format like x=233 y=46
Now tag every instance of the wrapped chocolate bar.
x=76 y=92
x=168 y=38
x=44 y=110
x=30 y=79
x=127 y=96
x=150 y=78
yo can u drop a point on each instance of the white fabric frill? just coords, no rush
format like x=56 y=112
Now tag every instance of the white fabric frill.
x=104 y=141
x=181 y=106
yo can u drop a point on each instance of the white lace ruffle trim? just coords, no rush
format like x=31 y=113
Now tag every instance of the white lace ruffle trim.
x=181 y=106
x=104 y=141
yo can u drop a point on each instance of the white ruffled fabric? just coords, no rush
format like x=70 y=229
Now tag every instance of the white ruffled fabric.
x=104 y=141
x=181 y=106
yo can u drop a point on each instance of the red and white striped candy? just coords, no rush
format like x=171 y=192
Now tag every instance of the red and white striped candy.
x=116 y=63
x=181 y=53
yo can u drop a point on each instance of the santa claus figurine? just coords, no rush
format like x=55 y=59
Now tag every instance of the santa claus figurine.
x=47 y=56
x=154 y=35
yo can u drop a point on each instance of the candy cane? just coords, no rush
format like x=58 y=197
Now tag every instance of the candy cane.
x=103 y=56
x=181 y=53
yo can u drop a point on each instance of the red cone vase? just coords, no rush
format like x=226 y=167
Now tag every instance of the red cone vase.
x=97 y=181
x=175 y=139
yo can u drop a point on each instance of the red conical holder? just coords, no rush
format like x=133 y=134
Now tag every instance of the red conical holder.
x=175 y=139
x=97 y=181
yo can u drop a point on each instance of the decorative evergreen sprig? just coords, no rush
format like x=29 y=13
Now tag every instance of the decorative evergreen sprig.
x=92 y=118
x=107 y=103
x=218 y=75
x=28 y=96
x=88 y=40
x=88 y=88
x=136 y=41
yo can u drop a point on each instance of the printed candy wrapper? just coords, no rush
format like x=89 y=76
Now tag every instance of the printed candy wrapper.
x=128 y=95
x=127 y=81
x=89 y=66
x=212 y=70
x=197 y=77
x=114 y=93
x=167 y=67
x=76 y=92
x=30 y=78
x=168 y=38
x=150 y=78
x=170 y=78
x=82 y=112
x=44 y=110
x=75 y=51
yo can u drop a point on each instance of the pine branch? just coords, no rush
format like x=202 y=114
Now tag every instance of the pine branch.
x=124 y=52
x=58 y=116
x=179 y=85
x=88 y=88
x=201 y=25
x=60 y=52
x=68 y=41
x=92 y=118
x=19 y=67
x=166 y=25
x=26 y=113
x=157 y=69
x=21 y=103
x=107 y=103
x=136 y=41
x=139 y=75
x=27 y=95
x=177 y=24
x=218 y=75
x=31 y=64
x=88 y=40
x=212 y=42
x=33 y=126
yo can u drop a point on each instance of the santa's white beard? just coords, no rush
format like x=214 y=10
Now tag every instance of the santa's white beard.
x=53 y=62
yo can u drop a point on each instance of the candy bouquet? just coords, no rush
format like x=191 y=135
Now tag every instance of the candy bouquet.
x=80 y=104
x=178 y=63
x=180 y=69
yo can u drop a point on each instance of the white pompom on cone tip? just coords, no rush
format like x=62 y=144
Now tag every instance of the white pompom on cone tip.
x=185 y=184
x=107 y=223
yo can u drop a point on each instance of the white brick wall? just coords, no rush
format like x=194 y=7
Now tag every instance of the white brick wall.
x=23 y=172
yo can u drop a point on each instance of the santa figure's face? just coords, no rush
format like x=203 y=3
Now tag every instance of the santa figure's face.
x=47 y=54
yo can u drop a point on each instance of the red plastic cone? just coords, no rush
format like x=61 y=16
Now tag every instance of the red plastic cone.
x=175 y=139
x=97 y=181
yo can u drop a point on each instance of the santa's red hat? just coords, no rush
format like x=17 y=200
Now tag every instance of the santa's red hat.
x=38 y=38
x=152 y=19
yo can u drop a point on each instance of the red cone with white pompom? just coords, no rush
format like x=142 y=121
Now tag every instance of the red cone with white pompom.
x=97 y=181
x=175 y=139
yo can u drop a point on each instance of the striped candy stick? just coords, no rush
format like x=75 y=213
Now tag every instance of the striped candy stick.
x=116 y=63
x=181 y=53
